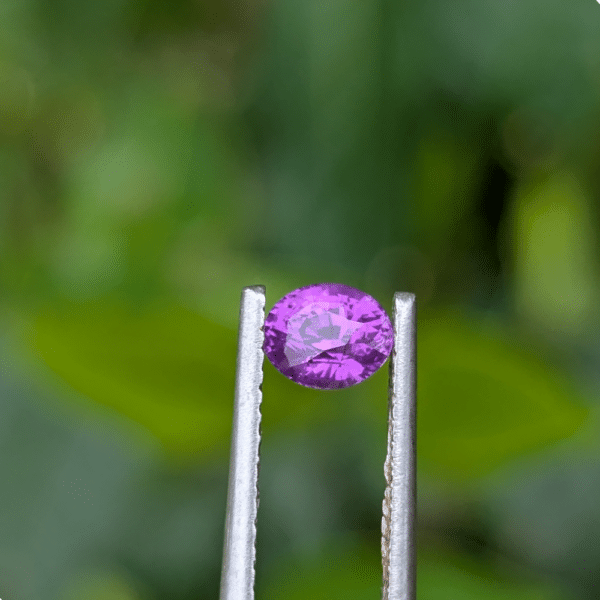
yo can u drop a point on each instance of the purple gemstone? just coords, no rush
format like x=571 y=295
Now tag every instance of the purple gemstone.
x=327 y=336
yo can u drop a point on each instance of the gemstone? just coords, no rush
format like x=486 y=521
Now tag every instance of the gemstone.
x=328 y=336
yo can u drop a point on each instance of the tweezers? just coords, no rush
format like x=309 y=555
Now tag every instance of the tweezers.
x=399 y=504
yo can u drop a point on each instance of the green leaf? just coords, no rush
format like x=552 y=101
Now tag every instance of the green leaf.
x=164 y=367
x=554 y=254
x=484 y=400
x=351 y=571
x=442 y=576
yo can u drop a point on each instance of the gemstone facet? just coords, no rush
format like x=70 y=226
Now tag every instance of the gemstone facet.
x=327 y=336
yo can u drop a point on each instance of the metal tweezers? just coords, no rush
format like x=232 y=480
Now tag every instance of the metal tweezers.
x=398 y=541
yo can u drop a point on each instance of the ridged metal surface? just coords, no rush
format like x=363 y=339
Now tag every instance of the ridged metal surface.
x=399 y=505
x=239 y=553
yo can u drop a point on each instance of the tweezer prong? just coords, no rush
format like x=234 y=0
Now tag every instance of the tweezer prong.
x=398 y=541
x=239 y=552
x=399 y=504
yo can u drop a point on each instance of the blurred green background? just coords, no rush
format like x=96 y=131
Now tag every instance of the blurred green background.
x=157 y=156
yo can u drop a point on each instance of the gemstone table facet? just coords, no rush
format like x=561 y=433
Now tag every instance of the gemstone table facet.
x=327 y=336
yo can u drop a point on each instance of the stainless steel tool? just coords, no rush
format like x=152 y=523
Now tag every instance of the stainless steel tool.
x=399 y=504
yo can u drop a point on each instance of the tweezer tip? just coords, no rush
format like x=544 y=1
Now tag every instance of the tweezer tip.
x=258 y=289
x=404 y=297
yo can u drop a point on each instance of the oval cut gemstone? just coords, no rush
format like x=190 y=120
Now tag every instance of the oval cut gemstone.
x=328 y=336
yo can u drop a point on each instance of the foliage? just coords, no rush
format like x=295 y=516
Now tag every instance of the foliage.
x=156 y=157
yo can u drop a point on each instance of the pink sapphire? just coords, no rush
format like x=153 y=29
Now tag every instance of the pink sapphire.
x=327 y=336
